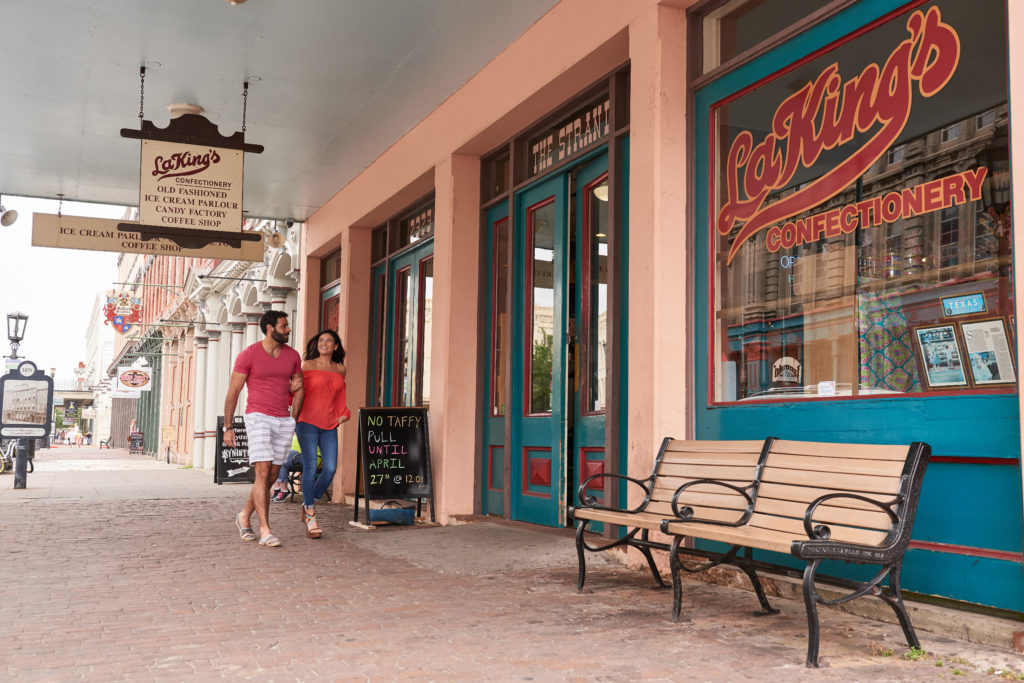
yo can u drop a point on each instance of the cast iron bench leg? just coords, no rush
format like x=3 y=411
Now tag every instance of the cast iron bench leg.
x=579 y=552
x=811 y=603
x=766 y=607
x=650 y=560
x=895 y=600
x=677 y=584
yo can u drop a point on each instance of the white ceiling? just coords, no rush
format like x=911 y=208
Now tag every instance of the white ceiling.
x=332 y=84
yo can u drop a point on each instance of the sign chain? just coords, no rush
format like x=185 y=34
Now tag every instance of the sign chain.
x=142 y=92
x=245 y=103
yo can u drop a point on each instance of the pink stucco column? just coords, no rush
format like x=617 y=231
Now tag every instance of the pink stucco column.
x=660 y=265
x=454 y=408
x=354 y=320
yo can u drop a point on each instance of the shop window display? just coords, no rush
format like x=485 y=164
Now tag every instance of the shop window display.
x=859 y=197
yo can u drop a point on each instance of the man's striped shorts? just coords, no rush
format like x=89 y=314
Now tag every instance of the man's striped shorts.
x=270 y=438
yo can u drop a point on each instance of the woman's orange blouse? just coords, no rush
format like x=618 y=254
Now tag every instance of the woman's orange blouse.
x=324 y=400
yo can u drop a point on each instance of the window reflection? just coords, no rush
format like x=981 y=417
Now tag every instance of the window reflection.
x=845 y=293
x=426 y=318
x=541 y=229
x=404 y=324
x=499 y=316
x=597 y=298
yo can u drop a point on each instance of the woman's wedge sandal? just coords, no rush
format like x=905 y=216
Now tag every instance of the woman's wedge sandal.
x=312 y=528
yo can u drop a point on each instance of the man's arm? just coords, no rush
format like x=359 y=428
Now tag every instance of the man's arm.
x=297 y=397
x=234 y=389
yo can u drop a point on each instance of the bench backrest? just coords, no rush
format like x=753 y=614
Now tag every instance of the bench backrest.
x=796 y=473
x=680 y=462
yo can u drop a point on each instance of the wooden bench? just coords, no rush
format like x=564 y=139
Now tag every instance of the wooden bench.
x=677 y=463
x=816 y=501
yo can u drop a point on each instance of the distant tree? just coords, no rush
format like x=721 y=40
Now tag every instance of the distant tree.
x=541 y=384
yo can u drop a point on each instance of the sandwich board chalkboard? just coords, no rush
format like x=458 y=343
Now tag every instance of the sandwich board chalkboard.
x=231 y=465
x=394 y=457
x=136 y=442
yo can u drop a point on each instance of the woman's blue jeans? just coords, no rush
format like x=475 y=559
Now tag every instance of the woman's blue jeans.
x=310 y=438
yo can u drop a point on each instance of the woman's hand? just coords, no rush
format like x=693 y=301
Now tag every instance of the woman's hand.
x=295 y=384
x=343 y=419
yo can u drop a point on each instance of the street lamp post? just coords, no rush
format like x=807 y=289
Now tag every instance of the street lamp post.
x=16 y=323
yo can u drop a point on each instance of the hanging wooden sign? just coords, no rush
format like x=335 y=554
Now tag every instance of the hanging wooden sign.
x=106 y=234
x=190 y=189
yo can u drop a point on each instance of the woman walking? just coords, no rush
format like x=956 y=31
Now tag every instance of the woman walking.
x=323 y=411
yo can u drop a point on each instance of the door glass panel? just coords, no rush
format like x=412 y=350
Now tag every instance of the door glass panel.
x=541 y=289
x=404 y=324
x=380 y=351
x=597 y=296
x=499 y=317
x=425 y=313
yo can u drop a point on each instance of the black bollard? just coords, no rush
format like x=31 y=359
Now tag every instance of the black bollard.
x=21 y=462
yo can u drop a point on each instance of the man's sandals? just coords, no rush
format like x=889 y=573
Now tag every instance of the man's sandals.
x=245 y=532
x=312 y=528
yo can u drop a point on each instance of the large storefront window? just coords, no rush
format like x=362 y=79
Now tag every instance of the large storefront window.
x=861 y=216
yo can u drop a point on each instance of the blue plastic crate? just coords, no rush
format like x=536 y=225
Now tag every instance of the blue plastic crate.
x=393 y=515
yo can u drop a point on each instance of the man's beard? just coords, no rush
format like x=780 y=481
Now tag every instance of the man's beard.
x=278 y=337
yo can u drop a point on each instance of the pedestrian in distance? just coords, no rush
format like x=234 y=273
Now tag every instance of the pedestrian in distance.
x=267 y=368
x=323 y=412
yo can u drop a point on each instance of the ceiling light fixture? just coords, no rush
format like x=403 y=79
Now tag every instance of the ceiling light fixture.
x=235 y=2
x=7 y=217
x=601 y=192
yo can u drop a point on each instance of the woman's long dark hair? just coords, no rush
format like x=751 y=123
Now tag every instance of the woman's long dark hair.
x=313 y=352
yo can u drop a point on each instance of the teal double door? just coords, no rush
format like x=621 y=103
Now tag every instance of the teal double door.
x=547 y=395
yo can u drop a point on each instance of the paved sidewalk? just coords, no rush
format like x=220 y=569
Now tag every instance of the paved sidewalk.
x=139 y=574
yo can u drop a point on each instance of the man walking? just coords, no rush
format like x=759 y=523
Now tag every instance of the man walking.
x=267 y=368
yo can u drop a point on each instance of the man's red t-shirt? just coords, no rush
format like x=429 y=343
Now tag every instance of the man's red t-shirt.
x=268 y=378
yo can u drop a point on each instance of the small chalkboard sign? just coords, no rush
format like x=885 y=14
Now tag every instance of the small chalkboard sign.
x=394 y=457
x=136 y=442
x=232 y=464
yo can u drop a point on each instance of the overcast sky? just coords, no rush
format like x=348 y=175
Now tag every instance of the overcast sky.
x=55 y=287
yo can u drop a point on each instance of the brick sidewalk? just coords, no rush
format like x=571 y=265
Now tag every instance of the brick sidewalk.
x=160 y=589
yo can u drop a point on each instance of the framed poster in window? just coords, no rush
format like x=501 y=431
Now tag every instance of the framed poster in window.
x=330 y=297
x=941 y=359
x=988 y=352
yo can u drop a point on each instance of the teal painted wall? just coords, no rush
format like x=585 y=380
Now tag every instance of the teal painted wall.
x=974 y=505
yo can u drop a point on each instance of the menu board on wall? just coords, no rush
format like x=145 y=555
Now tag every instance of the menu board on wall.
x=394 y=456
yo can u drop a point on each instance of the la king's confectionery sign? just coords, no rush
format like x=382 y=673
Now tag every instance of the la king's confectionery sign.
x=878 y=101
x=189 y=186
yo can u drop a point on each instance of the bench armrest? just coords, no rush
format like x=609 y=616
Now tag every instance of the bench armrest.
x=819 y=546
x=589 y=501
x=685 y=514
x=821 y=532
